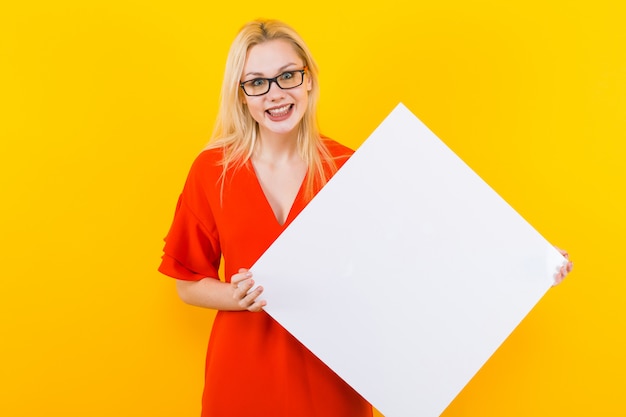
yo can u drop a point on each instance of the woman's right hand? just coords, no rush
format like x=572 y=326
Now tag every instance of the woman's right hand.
x=247 y=297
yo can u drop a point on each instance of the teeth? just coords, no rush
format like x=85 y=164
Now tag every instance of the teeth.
x=280 y=111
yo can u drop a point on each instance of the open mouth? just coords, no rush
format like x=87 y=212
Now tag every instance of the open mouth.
x=279 y=112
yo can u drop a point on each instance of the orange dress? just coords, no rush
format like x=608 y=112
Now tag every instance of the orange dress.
x=254 y=367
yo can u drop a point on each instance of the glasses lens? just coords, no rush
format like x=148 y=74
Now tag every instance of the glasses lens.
x=290 y=79
x=256 y=87
x=286 y=80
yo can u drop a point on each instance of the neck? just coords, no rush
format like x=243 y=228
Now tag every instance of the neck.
x=277 y=148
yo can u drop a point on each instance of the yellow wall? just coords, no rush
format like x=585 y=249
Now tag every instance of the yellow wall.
x=103 y=106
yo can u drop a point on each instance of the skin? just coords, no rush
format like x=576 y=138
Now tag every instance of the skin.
x=277 y=164
x=278 y=167
x=565 y=269
x=268 y=60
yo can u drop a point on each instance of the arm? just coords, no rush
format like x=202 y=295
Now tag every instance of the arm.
x=213 y=293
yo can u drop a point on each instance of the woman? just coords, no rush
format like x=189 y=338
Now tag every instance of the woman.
x=265 y=161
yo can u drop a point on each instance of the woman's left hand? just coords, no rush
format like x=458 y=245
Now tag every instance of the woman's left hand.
x=565 y=269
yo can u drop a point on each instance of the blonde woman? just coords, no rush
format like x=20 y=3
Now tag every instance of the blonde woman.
x=265 y=161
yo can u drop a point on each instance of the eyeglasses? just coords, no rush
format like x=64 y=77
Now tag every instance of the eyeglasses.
x=286 y=81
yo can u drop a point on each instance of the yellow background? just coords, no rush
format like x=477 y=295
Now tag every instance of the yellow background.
x=103 y=106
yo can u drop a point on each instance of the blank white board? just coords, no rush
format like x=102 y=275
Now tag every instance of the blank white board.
x=406 y=272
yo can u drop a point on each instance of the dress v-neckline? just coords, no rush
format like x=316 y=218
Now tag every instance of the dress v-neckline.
x=266 y=201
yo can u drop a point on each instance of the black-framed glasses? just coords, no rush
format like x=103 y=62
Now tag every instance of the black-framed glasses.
x=286 y=80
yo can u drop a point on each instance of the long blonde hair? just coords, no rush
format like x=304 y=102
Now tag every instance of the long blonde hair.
x=237 y=133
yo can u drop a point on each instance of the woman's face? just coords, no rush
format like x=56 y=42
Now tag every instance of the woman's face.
x=278 y=112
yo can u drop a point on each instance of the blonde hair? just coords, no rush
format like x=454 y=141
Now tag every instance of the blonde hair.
x=237 y=133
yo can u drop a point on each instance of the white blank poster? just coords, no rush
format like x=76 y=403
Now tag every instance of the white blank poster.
x=406 y=272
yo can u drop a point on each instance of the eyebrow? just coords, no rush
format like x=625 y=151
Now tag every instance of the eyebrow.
x=280 y=70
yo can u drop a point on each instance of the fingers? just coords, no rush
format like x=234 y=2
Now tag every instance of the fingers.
x=244 y=293
x=247 y=298
x=240 y=276
x=558 y=277
x=563 y=270
x=562 y=273
x=563 y=252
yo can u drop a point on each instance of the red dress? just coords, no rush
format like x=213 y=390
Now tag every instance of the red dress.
x=254 y=367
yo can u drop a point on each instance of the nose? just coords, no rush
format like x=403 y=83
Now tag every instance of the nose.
x=275 y=90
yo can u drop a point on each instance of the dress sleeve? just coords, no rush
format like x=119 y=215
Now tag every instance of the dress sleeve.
x=192 y=249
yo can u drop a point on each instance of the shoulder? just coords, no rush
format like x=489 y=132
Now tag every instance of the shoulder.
x=337 y=152
x=209 y=158
x=207 y=164
x=204 y=172
x=335 y=148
